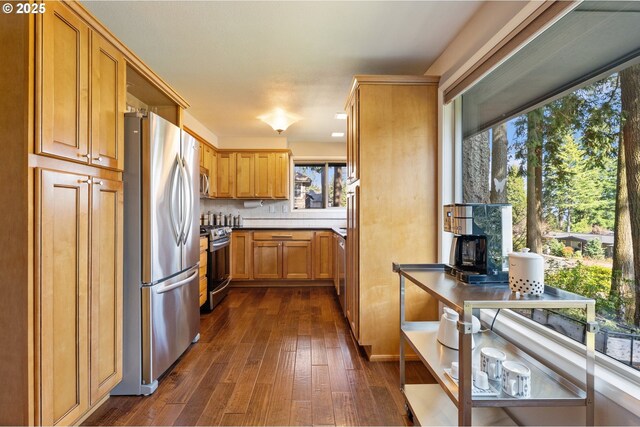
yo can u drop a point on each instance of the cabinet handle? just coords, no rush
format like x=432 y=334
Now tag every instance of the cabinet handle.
x=283 y=236
x=86 y=156
x=99 y=158
x=98 y=182
x=85 y=181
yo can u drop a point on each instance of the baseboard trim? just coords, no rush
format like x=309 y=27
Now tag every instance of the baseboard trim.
x=280 y=283
x=393 y=358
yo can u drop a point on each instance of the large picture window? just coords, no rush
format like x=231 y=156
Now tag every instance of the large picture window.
x=567 y=158
x=319 y=185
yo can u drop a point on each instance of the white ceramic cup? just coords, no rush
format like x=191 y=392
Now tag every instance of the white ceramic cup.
x=491 y=360
x=516 y=379
x=481 y=380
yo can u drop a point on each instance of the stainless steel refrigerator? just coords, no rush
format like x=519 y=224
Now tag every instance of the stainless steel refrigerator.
x=161 y=250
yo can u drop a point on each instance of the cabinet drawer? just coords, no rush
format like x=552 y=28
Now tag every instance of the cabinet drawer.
x=203 y=260
x=204 y=242
x=203 y=284
x=282 y=235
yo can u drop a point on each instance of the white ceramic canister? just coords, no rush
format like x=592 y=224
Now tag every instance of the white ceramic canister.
x=526 y=272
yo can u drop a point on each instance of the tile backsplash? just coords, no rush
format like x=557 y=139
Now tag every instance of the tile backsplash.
x=276 y=213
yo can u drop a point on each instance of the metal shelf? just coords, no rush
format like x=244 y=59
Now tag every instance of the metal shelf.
x=430 y=407
x=548 y=387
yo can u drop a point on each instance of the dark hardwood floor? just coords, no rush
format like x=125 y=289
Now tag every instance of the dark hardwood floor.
x=271 y=356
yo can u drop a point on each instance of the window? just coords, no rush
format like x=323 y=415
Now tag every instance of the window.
x=545 y=132
x=319 y=185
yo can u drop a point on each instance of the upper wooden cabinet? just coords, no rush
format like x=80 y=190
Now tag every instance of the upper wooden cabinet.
x=108 y=103
x=212 y=166
x=81 y=93
x=63 y=84
x=226 y=177
x=245 y=175
x=281 y=176
x=353 y=137
x=252 y=174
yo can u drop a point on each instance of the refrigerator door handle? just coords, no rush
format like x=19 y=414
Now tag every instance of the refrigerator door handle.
x=177 y=230
x=188 y=201
x=177 y=284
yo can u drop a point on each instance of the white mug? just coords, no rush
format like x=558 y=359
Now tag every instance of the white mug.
x=491 y=360
x=516 y=379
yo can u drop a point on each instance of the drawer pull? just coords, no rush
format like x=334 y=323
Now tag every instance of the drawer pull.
x=282 y=236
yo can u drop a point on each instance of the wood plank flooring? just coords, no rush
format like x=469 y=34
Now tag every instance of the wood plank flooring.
x=271 y=356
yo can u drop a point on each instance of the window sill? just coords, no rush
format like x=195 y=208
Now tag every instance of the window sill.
x=615 y=381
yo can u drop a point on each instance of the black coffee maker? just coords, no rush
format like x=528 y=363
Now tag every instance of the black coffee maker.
x=481 y=243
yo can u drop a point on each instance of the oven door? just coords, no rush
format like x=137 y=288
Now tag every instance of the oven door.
x=219 y=267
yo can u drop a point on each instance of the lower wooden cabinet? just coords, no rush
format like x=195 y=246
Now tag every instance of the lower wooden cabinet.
x=204 y=243
x=282 y=254
x=297 y=260
x=79 y=291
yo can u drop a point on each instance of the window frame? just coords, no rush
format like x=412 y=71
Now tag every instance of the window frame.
x=326 y=163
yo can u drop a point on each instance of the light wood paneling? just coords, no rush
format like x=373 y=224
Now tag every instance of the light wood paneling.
x=323 y=258
x=201 y=154
x=241 y=255
x=297 y=260
x=392 y=139
x=108 y=103
x=226 y=175
x=281 y=176
x=213 y=172
x=106 y=287
x=245 y=173
x=64 y=66
x=63 y=201
x=264 y=174
x=267 y=260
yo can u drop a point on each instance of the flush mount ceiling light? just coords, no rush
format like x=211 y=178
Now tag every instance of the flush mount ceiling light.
x=341 y=116
x=279 y=119
x=337 y=134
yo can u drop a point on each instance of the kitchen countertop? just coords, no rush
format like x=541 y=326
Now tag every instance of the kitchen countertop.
x=339 y=231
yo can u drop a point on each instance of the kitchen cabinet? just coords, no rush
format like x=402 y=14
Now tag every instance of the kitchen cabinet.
x=226 y=174
x=202 y=162
x=267 y=260
x=106 y=286
x=241 y=254
x=281 y=176
x=80 y=291
x=323 y=260
x=264 y=174
x=68 y=76
x=297 y=260
x=392 y=202
x=204 y=243
x=212 y=166
x=245 y=175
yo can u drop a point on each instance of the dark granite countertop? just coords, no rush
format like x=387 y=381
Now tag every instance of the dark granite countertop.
x=339 y=231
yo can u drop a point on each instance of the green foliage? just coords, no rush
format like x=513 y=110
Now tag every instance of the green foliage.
x=517 y=197
x=556 y=247
x=589 y=281
x=593 y=249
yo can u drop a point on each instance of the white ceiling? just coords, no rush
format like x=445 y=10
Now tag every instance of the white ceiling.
x=236 y=60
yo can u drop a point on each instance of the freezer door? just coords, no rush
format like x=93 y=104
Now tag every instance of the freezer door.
x=162 y=199
x=191 y=197
x=170 y=322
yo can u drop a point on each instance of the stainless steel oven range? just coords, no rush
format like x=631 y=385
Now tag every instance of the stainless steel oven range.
x=218 y=264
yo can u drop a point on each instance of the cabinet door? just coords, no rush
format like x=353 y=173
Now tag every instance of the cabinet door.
x=245 y=173
x=297 y=260
x=64 y=84
x=241 y=255
x=202 y=155
x=323 y=255
x=108 y=103
x=353 y=260
x=267 y=260
x=226 y=175
x=106 y=286
x=63 y=259
x=207 y=156
x=213 y=173
x=281 y=176
x=264 y=174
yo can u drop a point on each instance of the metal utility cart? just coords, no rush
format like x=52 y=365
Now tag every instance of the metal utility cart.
x=431 y=403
